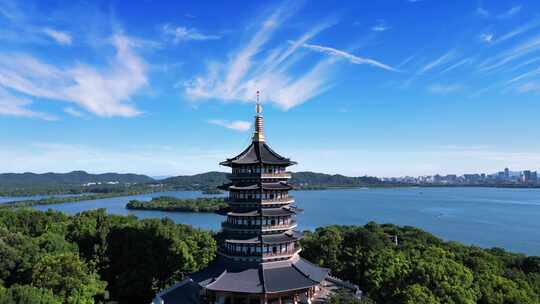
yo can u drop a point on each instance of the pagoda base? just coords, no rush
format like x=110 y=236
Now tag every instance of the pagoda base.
x=226 y=281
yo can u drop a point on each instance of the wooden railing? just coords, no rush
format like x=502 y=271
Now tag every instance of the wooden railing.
x=285 y=199
x=291 y=224
x=260 y=175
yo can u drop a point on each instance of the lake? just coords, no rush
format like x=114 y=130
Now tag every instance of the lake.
x=487 y=217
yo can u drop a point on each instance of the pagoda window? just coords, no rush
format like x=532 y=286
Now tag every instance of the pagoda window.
x=249 y=222
x=272 y=222
x=274 y=249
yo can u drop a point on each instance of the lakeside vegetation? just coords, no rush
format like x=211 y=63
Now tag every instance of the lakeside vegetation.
x=167 y=203
x=49 y=257
x=422 y=269
x=67 y=199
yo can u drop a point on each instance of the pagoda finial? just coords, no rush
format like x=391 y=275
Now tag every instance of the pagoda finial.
x=258 y=135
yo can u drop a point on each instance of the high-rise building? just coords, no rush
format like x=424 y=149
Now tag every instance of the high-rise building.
x=258 y=257
x=526 y=177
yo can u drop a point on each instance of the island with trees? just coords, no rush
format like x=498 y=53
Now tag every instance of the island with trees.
x=173 y=204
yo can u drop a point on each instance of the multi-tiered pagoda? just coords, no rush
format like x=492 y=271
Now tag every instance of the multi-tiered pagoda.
x=258 y=257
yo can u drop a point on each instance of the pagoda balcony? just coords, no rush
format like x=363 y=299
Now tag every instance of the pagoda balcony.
x=287 y=226
x=265 y=201
x=232 y=253
x=283 y=254
x=255 y=254
x=278 y=175
x=240 y=227
x=282 y=200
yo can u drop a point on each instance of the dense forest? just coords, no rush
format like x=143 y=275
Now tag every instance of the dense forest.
x=49 y=257
x=167 y=203
x=421 y=268
x=92 y=257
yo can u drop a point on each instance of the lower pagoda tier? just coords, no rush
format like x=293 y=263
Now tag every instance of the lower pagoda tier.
x=228 y=282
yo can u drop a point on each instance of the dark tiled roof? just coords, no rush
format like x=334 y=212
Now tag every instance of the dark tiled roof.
x=258 y=153
x=288 y=277
x=185 y=292
x=277 y=211
x=265 y=186
x=265 y=212
x=270 y=239
x=249 y=277
x=288 y=236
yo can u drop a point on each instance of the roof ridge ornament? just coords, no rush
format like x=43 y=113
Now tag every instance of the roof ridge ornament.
x=258 y=135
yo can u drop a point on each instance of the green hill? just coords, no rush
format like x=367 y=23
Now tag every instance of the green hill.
x=299 y=179
x=75 y=178
x=200 y=181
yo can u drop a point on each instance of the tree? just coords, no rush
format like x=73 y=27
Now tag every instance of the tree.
x=418 y=294
x=27 y=295
x=68 y=277
x=151 y=255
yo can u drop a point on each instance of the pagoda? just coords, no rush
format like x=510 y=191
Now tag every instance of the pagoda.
x=258 y=247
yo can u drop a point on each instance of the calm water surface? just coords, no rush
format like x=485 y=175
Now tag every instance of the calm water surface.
x=488 y=217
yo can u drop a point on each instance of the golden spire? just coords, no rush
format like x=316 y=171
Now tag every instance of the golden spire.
x=258 y=135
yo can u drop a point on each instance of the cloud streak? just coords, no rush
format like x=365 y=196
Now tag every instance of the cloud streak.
x=237 y=125
x=437 y=62
x=15 y=106
x=347 y=56
x=62 y=38
x=105 y=93
x=181 y=34
x=256 y=67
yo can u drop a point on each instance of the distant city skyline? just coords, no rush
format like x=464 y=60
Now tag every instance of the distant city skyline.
x=385 y=88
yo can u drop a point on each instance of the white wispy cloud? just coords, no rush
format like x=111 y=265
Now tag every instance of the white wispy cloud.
x=349 y=57
x=381 y=26
x=14 y=106
x=180 y=34
x=482 y=12
x=519 y=30
x=528 y=74
x=105 y=92
x=531 y=86
x=437 y=62
x=508 y=56
x=255 y=67
x=444 y=88
x=524 y=63
x=510 y=13
x=238 y=125
x=486 y=37
x=63 y=38
x=458 y=64
x=73 y=112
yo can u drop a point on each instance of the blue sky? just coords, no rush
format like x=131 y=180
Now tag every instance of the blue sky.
x=385 y=88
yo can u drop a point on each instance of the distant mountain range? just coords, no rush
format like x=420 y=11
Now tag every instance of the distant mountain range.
x=206 y=180
x=75 y=178
x=299 y=179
